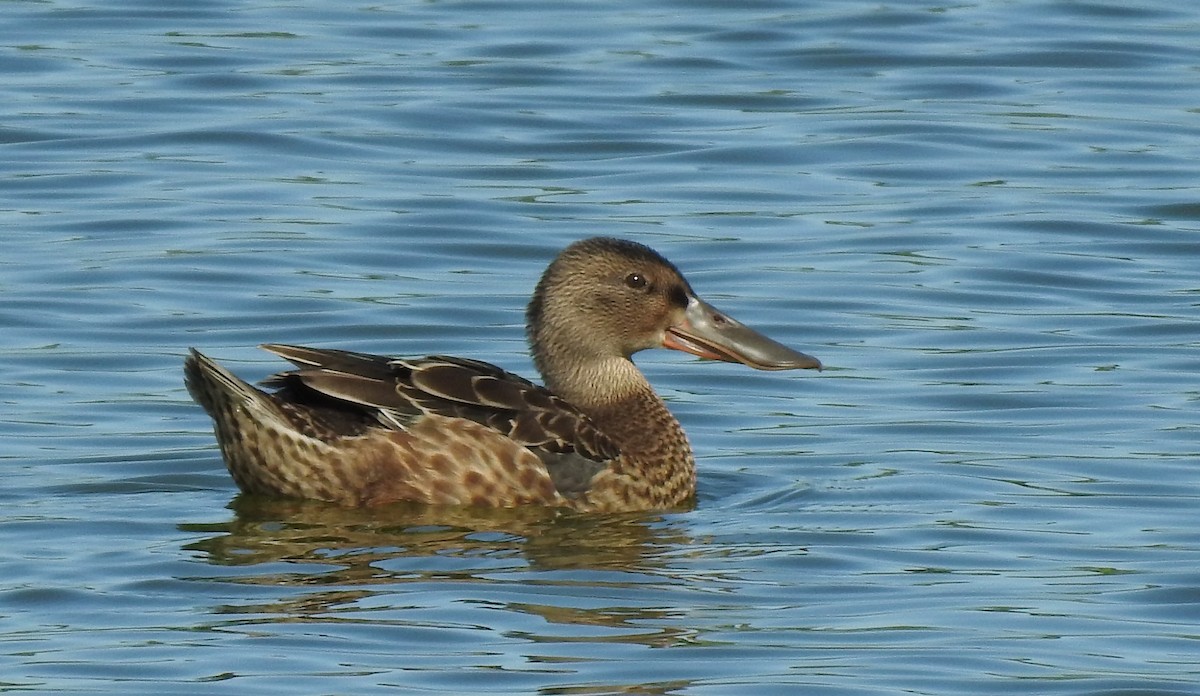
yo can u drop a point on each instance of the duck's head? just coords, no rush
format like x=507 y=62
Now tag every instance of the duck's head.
x=604 y=299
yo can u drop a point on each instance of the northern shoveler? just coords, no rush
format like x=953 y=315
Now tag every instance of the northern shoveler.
x=359 y=429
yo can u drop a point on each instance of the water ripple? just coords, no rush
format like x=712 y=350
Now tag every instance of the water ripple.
x=982 y=217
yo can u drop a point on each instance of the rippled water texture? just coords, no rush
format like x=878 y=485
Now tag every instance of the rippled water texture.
x=983 y=217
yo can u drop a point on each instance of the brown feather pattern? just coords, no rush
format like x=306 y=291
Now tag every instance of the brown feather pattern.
x=359 y=429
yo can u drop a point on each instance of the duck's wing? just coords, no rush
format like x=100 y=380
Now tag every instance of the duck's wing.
x=396 y=392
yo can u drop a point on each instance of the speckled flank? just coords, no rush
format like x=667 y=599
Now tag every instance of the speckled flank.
x=274 y=448
x=452 y=461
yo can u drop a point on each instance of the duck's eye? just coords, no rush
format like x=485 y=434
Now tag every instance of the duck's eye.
x=637 y=281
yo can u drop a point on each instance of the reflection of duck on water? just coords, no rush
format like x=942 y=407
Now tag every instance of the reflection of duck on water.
x=359 y=429
x=371 y=545
x=419 y=567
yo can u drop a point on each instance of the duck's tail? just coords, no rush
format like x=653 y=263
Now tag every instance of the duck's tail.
x=262 y=448
x=214 y=387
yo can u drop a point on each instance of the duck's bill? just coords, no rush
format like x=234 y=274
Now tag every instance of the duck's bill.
x=709 y=333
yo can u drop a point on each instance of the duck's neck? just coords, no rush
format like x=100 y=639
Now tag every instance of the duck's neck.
x=614 y=393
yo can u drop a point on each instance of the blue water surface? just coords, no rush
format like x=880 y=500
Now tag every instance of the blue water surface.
x=983 y=217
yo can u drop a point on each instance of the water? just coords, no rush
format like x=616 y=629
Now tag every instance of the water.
x=983 y=217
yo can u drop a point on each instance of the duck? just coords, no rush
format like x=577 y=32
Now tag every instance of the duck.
x=359 y=430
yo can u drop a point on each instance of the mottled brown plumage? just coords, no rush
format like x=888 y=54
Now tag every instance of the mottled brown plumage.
x=359 y=429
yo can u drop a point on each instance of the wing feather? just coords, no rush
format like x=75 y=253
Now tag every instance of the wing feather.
x=396 y=391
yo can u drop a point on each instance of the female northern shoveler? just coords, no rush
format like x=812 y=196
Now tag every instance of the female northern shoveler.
x=360 y=429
